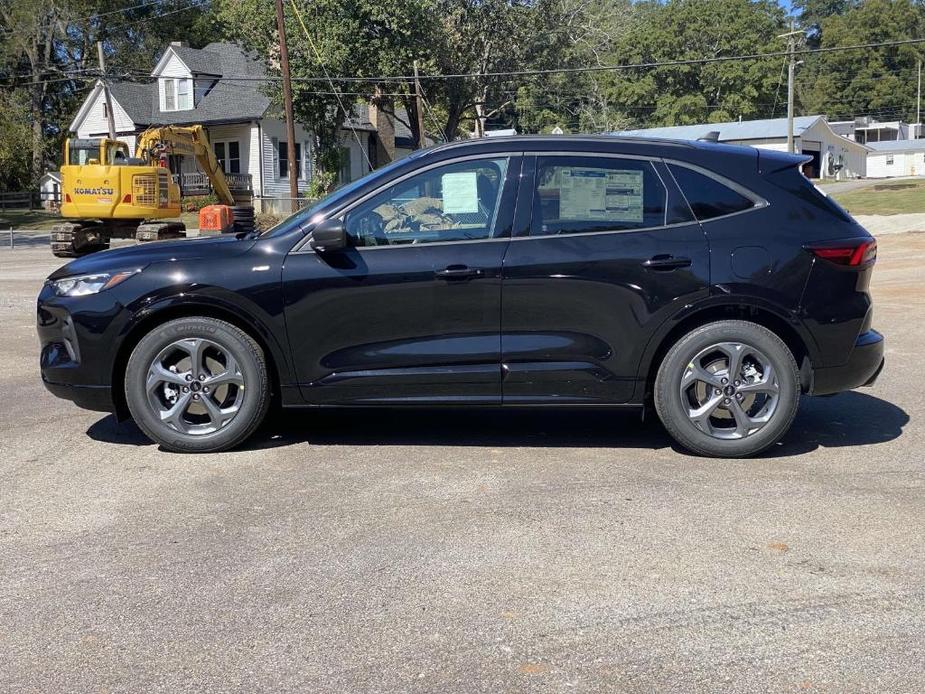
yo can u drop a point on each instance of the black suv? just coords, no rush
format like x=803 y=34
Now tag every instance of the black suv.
x=713 y=281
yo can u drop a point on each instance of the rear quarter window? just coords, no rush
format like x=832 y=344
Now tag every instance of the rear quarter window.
x=708 y=197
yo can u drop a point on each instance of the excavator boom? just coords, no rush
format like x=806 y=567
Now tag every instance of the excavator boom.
x=190 y=140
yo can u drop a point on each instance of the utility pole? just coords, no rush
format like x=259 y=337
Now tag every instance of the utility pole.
x=918 y=105
x=106 y=95
x=292 y=166
x=419 y=101
x=791 y=37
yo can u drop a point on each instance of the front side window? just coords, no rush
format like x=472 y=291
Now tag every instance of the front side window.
x=708 y=197
x=580 y=194
x=454 y=202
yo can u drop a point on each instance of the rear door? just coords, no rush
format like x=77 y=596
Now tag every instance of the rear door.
x=411 y=311
x=605 y=250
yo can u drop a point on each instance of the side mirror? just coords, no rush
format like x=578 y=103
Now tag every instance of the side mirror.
x=329 y=236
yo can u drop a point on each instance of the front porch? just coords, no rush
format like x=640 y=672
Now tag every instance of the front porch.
x=197 y=183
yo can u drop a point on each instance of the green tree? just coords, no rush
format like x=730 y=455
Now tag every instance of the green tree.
x=15 y=142
x=680 y=30
x=361 y=39
x=878 y=81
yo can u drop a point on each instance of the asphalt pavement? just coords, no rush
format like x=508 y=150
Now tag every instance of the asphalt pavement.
x=414 y=551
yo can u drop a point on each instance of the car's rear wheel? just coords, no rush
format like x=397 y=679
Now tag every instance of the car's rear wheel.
x=197 y=385
x=728 y=389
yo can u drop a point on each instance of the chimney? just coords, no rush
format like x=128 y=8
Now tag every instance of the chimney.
x=385 y=129
x=179 y=44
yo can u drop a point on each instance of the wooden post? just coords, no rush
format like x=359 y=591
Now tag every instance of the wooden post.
x=106 y=95
x=419 y=100
x=292 y=165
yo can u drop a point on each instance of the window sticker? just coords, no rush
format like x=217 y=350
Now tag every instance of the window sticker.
x=460 y=192
x=600 y=194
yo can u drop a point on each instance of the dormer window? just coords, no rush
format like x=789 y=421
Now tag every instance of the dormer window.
x=177 y=94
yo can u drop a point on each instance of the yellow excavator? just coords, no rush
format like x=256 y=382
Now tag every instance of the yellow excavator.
x=106 y=193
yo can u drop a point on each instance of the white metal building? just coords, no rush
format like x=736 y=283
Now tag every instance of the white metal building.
x=896 y=158
x=834 y=156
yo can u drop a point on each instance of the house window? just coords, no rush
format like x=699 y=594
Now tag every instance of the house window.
x=889 y=160
x=228 y=155
x=105 y=110
x=170 y=95
x=184 y=95
x=178 y=94
x=282 y=154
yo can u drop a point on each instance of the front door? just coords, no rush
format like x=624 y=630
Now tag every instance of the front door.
x=609 y=253
x=410 y=313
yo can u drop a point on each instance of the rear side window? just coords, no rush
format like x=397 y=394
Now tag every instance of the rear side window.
x=708 y=197
x=576 y=194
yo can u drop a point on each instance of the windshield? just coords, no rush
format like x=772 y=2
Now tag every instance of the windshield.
x=332 y=200
x=83 y=153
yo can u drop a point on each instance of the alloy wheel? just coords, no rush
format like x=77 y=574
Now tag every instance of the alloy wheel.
x=730 y=390
x=195 y=386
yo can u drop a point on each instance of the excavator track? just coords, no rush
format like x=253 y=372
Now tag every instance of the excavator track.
x=160 y=231
x=75 y=239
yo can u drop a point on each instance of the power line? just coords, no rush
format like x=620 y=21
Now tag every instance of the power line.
x=593 y=68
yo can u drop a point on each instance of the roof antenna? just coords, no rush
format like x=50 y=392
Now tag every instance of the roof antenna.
x=712 y=136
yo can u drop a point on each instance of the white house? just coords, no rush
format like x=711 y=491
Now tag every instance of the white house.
x=896 y=158
x=249 y=138
x=834 y=156
x=50 y=189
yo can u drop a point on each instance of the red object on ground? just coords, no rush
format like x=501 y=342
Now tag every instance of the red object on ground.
x=215 y=218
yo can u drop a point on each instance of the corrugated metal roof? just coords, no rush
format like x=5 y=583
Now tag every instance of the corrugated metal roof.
x=898 y=146
x=768 y=128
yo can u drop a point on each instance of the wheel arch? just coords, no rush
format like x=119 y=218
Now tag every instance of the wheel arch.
x=276 y=363
x=797 y=339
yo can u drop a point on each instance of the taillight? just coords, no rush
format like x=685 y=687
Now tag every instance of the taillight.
x=127 y=198
x=850 y=253
x=67 y=197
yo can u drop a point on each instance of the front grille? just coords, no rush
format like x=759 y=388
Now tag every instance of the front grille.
x=144 y=189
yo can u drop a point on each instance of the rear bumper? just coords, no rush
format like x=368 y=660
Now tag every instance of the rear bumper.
x=862 y=368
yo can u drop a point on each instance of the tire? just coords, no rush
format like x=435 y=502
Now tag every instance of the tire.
x=229 y=402
x=704 y=413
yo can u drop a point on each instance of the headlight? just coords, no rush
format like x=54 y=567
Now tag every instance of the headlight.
x=83 y=285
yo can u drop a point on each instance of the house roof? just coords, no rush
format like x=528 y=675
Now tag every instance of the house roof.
x=135 y=99
x=898 y=146
x=225 y=100
x=765 y=129
x=201 y=61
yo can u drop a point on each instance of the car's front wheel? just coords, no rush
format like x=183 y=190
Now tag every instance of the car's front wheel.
x=728 y=389
x=197 y=385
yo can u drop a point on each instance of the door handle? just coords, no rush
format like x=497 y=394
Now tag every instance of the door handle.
x=458 y=272
x=666 y=262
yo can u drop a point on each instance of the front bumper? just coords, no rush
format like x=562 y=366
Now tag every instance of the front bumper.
x=862 y=368
x=77 y=348
x=97 y=398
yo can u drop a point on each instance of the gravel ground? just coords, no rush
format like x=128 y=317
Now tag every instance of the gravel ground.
x=464 y=552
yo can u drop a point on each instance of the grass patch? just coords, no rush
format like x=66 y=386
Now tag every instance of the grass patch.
x=28 y=219
x=901 y=197
x=44 y=220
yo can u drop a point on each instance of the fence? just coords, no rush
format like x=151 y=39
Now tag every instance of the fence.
x=25 y=238
x=280 y=207
x=30 y=199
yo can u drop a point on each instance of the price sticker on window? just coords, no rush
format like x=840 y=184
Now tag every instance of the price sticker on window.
x=460 y=192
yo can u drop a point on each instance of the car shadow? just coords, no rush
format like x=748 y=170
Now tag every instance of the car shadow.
x=848 y=419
